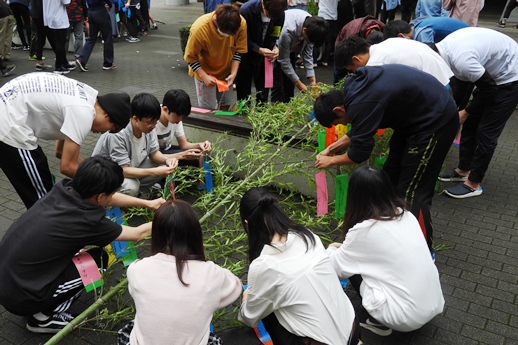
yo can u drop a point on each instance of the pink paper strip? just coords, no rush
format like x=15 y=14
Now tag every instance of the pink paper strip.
x=268 y=74
x=200 y=110
x=456 y=142
x=322 y=196
x=87 y=268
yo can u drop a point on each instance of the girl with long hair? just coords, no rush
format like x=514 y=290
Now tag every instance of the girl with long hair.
x=292 y=286
x=385 y=256
x=176 y=290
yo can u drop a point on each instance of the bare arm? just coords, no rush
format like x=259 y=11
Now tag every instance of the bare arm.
x=69 y=157
x=134 y=233
x=123 y=200
x=163 y=170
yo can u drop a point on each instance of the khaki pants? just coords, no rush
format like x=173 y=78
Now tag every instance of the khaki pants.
x=6 y=36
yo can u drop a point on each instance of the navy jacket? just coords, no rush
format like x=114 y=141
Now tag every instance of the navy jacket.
x=251 y=11
x=403 y=98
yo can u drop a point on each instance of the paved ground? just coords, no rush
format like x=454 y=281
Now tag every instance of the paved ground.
x=479 y=270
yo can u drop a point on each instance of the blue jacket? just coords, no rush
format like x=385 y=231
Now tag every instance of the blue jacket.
x=434 y=29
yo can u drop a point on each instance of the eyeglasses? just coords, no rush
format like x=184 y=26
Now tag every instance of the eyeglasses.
x=149 y=123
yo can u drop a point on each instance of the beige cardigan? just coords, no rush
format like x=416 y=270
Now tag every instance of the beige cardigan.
x=465 y=10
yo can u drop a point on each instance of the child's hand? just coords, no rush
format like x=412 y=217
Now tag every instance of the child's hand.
x=334 y=245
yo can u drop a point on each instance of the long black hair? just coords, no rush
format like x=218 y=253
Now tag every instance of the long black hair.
x=371 y=196
x=262 y=217
x=176 y=231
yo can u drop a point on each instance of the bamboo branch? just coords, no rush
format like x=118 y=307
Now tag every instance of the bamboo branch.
x=123 y=283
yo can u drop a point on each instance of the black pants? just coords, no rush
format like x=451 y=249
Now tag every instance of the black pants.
x=251 y=70
x=481 y=131
x=281 y=336
x=413 y=164
x=407 y=9
x=23 y=21
x=130 y=21
x=283 y=88
x=28 y=171
x=69 y=284
x=509 y=8
x=58 y=39
x=39 y=38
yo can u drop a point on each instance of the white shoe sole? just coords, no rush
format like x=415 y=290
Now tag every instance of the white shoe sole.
x=463 y=196
x=376 y=330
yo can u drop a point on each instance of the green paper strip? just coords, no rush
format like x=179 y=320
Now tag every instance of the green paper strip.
x=321 y=140
x=94 y=285
x=342 y=186
x=132 y=256
x=380 y=161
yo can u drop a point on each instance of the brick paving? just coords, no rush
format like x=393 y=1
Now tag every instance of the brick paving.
x=479 y=268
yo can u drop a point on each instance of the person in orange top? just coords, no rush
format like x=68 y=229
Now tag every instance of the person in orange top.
x=213 y=52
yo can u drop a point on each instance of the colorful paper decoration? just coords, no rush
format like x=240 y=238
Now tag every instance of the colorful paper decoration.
x=262 y=334
x=122 y=249
x=208 y=176
x=380 y=132
x=200 y=110
x=342 y=185
x=322 y=195
x=344 y=282
x=330 y=136
x=88 y=271
x=321 y=140
x=222 y=85
x=340 y=130
x=380 y=161
x=456 y=142
x=170 y=183
x=268 y=73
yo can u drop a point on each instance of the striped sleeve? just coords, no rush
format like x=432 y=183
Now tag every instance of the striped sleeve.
x=236 y=57
x=196 y=65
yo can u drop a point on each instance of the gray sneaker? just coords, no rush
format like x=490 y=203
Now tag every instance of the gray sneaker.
x=7 y=70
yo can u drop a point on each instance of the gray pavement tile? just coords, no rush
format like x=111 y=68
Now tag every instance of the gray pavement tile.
x=482 y=336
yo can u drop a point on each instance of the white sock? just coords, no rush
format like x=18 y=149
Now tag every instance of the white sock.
x=40 y=316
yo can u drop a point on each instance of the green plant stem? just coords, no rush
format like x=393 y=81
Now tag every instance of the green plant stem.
x=81 y=317
x=123 y=283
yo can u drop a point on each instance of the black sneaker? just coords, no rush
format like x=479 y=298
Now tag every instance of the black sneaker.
x=7 y=70
x=81 y=65
x=501 y=24
x=53 y=324
x=376 y=327
x=61 y=70
x=70 y=66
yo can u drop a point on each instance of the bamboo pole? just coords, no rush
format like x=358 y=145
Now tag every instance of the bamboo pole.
x=123 y=283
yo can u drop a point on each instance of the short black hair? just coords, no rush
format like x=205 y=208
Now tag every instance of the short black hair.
x=396 y=27
x=324 y=105
x=97 y=175
x=145 y=106
x=177 y=101
x=316 y=29
x=348 y=48
x=275 y=8
x=374 y=37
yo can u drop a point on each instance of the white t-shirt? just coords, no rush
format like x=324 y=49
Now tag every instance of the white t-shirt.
x=45 y=106
x=165 y=133
x=398 y=50
x=55 y=14
x=302 y=289
x=328 y=9
x=401 y=286
x=471 y=51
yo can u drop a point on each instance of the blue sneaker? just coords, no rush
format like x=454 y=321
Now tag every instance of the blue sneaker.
x=461 y=191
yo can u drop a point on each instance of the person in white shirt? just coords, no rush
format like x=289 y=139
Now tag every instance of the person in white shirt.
x=175 y=106
x=292 y=286
x=487 y=59
x=328 y=9
x=356 y=52
x=385 y=256
x=52 y=107
x=176 y=290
